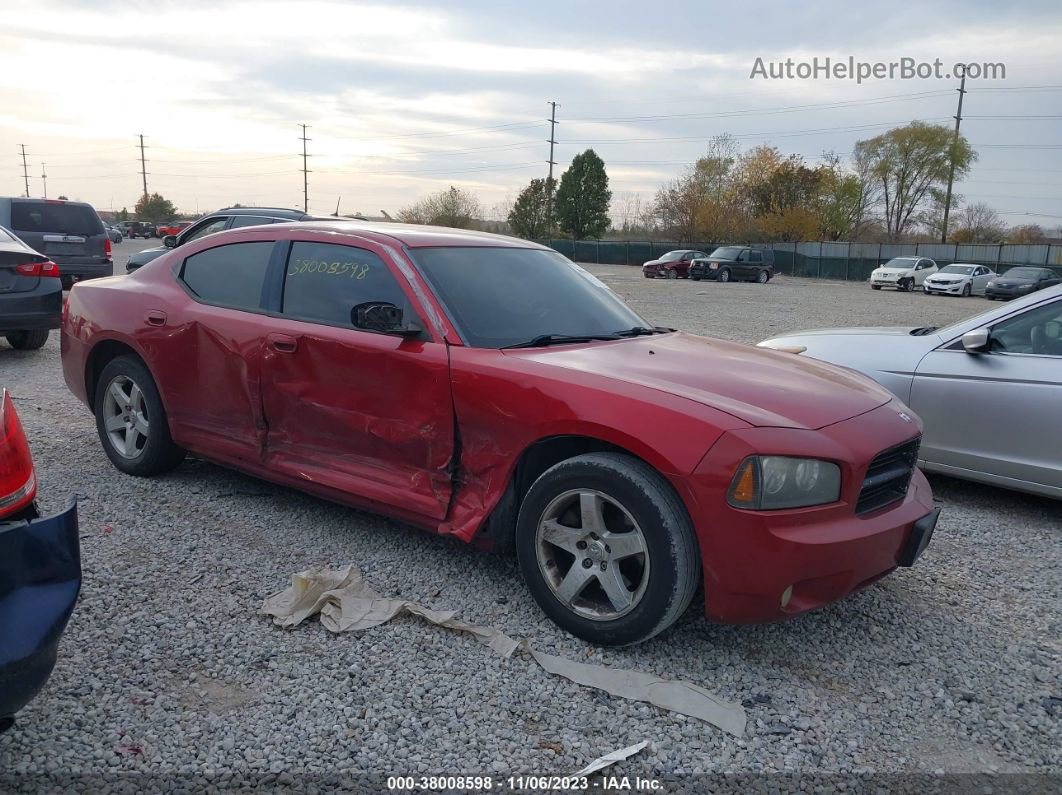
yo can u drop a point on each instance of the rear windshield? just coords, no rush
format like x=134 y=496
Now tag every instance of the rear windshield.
x=726 y=252
x=68 y=219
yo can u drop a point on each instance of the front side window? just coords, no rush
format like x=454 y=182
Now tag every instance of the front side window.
x=231 y=275
x=323 y=282
x=215 y=225
x=506 y=296
x=1037 y=331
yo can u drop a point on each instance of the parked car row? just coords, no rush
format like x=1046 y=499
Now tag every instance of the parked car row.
x=961 y=278
x=724 y=264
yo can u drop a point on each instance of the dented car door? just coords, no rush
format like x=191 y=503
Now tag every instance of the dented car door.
x=358 y=411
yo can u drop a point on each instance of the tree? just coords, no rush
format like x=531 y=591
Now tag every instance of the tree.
x=582 y=200
x=695 y=206
x=452 y=207
x=154 y=208
x=530 y=213
x=1027 y=233
x=979 y=223
x=907 y=162
x=122 y=215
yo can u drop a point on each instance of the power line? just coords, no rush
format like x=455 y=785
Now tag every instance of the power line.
x=305 y=173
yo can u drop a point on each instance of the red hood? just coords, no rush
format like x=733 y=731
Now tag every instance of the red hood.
x=762 y=387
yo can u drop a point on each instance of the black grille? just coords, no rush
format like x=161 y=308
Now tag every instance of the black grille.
x=888 y=477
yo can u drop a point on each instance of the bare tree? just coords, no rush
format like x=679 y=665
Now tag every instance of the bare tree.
x=979 y=223
x=452 y=207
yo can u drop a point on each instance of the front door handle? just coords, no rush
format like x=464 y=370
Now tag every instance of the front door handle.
x=155 y=318
x=283 y=343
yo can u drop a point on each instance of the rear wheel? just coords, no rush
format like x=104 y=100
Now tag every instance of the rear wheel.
x=28 y=340
x=606 y=548
x=724 y=275
x=762 y=277
x=131 y=420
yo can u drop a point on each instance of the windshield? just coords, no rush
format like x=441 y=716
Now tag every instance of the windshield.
x=966 y=270
x=901 y=262
x=672 y=256
x=505 y=296
x=726 y=252
x=1023 y=273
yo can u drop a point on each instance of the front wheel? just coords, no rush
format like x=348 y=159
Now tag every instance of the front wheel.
x=606 y=549
x=695 y=278
x=906 y=285
x=131 y=420
x=27 y=340
x=966 y=291
x=875 y=287
x=724 y=275
x=672 y=273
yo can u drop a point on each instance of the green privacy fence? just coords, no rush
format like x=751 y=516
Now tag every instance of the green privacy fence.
x=822 y=260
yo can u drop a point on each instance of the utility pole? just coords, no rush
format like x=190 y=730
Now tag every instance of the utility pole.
x=25 y=170
x=549 y=184
x=143 y=167
x=951 y=170
x=44 y=179
x=305 y=173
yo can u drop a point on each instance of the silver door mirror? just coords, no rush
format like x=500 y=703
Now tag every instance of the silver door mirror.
x=976 y=341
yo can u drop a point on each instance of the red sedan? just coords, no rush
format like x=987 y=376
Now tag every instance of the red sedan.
x=490 y=389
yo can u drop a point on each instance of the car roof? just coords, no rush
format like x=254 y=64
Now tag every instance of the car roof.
x=414 y=235
x=279 y=212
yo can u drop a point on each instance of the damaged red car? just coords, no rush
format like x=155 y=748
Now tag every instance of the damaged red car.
x=490 y=389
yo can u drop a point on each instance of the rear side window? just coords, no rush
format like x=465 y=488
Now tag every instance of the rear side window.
x=324 y=281
x=231 y=275
x=755 y=256
x=249 y=220
x=67 y=219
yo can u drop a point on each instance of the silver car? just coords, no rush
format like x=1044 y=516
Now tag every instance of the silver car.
x=989 y=388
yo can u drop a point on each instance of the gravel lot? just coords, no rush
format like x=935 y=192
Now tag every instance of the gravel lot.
x=166 y=669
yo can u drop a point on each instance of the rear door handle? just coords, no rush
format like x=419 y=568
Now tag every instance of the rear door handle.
x=282 y=343
x=155 y=318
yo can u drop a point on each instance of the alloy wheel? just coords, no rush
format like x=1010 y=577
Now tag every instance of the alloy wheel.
x=125 y=417
x=592 y=554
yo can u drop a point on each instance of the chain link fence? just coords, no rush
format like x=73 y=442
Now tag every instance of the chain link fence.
x=822 y=260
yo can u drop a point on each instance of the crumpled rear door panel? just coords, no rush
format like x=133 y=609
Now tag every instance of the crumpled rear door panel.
x=40 y=577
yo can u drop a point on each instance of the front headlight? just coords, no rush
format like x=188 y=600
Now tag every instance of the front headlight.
x=771 y=482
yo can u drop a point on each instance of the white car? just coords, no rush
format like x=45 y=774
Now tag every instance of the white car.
x=903 y=273
x=959 y=279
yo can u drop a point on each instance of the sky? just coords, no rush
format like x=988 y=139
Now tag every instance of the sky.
x=403 y=99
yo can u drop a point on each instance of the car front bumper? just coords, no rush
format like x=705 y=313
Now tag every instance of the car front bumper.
x=878 y=282
x=769 y=565
x=948 y=289
x=1006 y=292
x=39 y=308
x=40 y=578
x=704 y=273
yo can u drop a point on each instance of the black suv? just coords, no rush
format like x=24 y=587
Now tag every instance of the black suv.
x=68 y=233
x=735 y=264
x=229 y=218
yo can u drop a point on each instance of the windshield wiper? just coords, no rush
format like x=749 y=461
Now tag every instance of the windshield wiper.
x=921 y=332
x=560 y=339
x=638 y=331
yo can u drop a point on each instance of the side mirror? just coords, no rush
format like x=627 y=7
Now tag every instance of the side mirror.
x=382 y=317
x=976 y=341
x=170 y=241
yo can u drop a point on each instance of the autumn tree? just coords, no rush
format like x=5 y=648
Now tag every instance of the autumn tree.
x=531 y=213
x=1027 y=233
x=691 y=207
x=154 y=208
x=907 y=162
x=583 y=198
x=978 y=223
x=451 y=207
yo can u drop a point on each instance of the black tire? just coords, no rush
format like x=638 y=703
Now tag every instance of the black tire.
x=158 y=454
x=670 y=543
x=966 y=290
x=672 y=273
x=724 y=275
x=695 y=278
x=647 y=275
x=28 y=340
x=762 y=277
x=906 y=285
x=875 y=287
